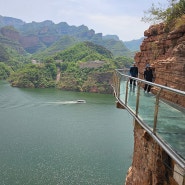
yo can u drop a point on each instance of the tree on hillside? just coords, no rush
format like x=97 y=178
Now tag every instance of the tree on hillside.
x=3 y=54
x=174 y=10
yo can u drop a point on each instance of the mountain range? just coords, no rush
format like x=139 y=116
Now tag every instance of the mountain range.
x=36 y=37
x=45 y=54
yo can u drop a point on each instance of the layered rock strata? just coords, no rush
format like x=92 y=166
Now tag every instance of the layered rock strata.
x=151 y=165
x=165 y=52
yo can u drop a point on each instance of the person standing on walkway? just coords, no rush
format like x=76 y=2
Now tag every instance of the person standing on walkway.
x=148 y=76
x=133 y=73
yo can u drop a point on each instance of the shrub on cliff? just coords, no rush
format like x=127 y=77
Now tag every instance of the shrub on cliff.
x=175 y=10
x=37 y=76
x=5 y=71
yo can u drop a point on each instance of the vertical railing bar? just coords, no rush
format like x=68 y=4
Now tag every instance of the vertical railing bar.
x=126 y=95
x=156 y=111
x=116 y=84
x=119 y=83
x=137 y=100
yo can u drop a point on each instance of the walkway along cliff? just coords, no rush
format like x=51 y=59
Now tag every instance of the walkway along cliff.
x=165 y=52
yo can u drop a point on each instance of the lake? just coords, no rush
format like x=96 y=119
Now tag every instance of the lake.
x=48 y=139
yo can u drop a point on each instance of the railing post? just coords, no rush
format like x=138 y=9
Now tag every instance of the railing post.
x=137 y=100
x=116 y=83
x=126 y=95
x=156 y=111
x=118 y=86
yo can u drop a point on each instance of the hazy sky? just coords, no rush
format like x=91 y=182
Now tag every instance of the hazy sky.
x=115 y=17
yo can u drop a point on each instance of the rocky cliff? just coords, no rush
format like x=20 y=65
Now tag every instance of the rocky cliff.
x=151 y=165
x=165 y=52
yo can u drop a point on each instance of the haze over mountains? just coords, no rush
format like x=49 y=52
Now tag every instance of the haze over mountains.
x=37 y=36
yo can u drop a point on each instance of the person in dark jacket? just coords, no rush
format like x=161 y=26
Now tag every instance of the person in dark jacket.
x=148 y=76
x=133 y=73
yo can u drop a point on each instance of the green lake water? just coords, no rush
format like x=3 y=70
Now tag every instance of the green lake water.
x=47 y=139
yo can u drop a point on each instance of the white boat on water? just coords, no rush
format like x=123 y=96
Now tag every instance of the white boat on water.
x=81 y=101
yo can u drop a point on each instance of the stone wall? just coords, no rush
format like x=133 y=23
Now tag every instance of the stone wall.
x=165 y=52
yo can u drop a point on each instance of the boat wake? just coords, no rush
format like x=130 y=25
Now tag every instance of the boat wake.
x=68 y=102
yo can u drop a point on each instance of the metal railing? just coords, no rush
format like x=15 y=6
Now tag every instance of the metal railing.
x=165 y=123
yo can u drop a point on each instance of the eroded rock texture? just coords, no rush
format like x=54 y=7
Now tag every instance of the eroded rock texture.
x=165 y=52
x=151 y=165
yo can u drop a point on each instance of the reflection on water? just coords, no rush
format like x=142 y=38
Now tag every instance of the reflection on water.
x=45 y=138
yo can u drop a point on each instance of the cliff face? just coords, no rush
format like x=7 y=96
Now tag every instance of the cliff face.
x=10 y=33
x=31 y=43
x=165 y=52
x=151 y=165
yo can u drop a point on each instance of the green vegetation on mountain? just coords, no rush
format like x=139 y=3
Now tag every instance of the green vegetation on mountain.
x=117 y=47
x=3 y=54
x=82 y=67
x=34 y=76
x=36 y=37
x=85 y=51
x=10 y=58
x=63 y=43
x=11 y=51
x=43 y=55
x=5 y=71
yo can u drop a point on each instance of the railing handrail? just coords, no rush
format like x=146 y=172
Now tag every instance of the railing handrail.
x=152 y=83
x=116 y=86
